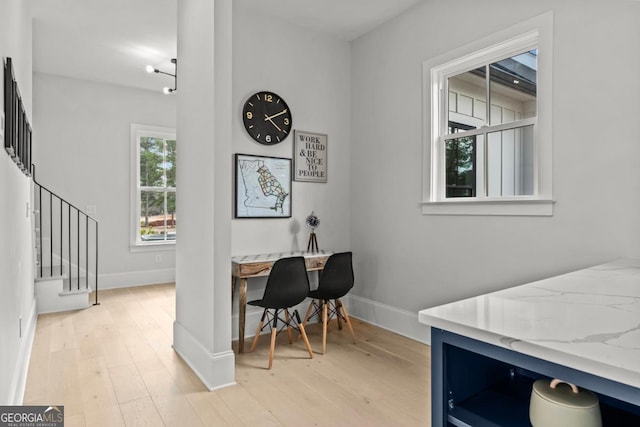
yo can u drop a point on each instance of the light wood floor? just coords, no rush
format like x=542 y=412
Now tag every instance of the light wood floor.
x=113 y=365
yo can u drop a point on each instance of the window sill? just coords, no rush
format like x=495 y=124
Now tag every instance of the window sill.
x=504 y=207
x=153 y=247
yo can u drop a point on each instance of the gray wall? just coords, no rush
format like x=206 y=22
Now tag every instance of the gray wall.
x=311 y=71
x=82 y=152
x=17 y=304
x=406 y=261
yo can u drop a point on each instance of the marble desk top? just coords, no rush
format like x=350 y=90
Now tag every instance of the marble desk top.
x=274 y=256
x=588 y=320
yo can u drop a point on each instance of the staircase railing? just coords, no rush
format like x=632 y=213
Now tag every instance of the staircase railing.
x=66 y=241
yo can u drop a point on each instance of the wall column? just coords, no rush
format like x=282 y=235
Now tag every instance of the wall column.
x=202 y=329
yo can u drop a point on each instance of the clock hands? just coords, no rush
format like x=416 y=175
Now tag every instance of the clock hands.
x=270 y=118
x=275 y=115
x=272 y=122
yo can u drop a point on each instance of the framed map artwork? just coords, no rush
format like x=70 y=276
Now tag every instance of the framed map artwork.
x=262 y=187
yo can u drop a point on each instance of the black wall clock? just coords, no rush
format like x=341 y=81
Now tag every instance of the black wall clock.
x=267 y=118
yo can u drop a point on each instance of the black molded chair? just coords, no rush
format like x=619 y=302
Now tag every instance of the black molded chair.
x=287 y=286
x=336 y=280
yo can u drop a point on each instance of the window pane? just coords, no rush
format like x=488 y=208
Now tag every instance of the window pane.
x=171 y=216
x=513 y=86
x=468 y=98
x=152 y=217
x=170 y=162
x=510 y=162
x=151 y=162
x=461 y=167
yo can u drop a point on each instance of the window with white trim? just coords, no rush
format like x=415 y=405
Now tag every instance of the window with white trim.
x=489 y=140
x=154 y=194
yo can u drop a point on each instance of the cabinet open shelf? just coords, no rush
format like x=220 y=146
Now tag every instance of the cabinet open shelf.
x=481 y=385
x=492 y=408
x=499 y=408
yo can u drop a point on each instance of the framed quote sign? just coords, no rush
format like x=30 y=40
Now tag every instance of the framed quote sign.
x=310 y=156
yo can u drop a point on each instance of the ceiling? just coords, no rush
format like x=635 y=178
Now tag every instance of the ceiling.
x=105 y=40
x=345 y=19
x=113 y=40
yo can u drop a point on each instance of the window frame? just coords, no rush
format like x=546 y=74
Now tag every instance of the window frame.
x=137 y=132
x=536 y=33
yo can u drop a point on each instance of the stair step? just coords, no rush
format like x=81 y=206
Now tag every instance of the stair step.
x=74 y=285
x=51 y=297
x=54 y=277
x=47 y=271
x=75 y=292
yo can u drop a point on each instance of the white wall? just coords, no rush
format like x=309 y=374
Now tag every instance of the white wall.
x=82 y=152
x=17 y=304
x=311 y=71
x=406 y=261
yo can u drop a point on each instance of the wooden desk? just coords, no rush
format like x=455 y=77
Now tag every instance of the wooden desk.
x=247 y=266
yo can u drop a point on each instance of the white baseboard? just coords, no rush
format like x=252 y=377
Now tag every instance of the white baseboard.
x=19 y=380
x=215 y=370
x=136 y=278
x=396 y=320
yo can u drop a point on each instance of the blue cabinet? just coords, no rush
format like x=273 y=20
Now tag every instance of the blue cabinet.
x=482 y=385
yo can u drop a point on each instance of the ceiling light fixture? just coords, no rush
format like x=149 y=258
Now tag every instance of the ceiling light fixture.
x=167 y=90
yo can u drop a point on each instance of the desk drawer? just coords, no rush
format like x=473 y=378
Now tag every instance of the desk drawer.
x=254 y=269
x=315 y=263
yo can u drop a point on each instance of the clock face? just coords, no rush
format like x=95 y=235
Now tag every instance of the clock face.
x=267 y=118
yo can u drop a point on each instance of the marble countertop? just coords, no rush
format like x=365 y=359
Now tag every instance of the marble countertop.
x=588 y=320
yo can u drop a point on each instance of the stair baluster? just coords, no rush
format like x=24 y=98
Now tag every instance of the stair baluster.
x=76 y=267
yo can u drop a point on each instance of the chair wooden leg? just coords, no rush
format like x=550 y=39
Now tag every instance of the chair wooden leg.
x=308 y=314
x=347 y=320
x=257 y=335
x=274 y=332
x=338 y=314
x=306 y=341
x=287 y=318
x=304 y=334
x=325 y=307
x=330 y=313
